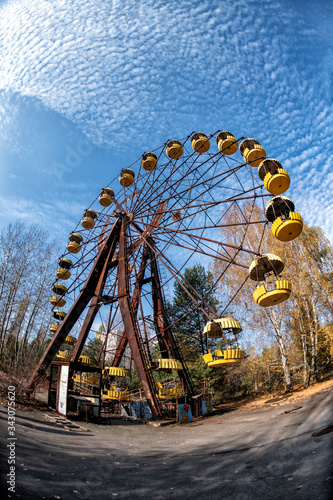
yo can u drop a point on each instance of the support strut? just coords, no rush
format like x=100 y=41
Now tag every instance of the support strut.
x=129 y=320
x=165 y=337
x=93 y=284
x=135 y=305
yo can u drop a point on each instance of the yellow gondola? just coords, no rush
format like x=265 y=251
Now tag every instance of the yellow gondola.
x=65 y=263
x=200 y=142
x=59 y=315
x=267 y=298
x=276 y=179
x=126 y=178
x=117 y=393
x=59 y=289
x=106 y=197
x=214 y=329
x=69 y=340
x=227 y=143
x=286 y=224
x=252 y=152
x=149 y=161
x=116 y=371
x=228 y=357
x=169 y=391
x=168 y=364
x=174 y=149
x=64 y=355
x=274 y=291
x=54 y=327
x=86 y=378
x=217 y=329
x=74 y=245
x=88 y=221
x=87 y=360
x=265 y=264
x=63 y=273
x=57 y=300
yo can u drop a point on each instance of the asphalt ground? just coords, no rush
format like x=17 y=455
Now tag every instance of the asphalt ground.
x=274 y=452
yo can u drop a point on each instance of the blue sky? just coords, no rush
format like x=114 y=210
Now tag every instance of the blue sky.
x=86 y=87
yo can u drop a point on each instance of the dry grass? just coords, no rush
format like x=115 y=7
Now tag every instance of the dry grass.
x=293 y=397
x=19 y=379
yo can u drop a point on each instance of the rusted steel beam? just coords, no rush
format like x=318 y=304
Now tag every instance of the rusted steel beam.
x=151 y=226
x=165 y=337
x=129 y=321
x=190 y=235
x=197 y=250
x=159 y=212
x=120 y=350
x=160 y=320
x=135 y=304
x=173 y=274
x=95 y=303
x=77 y=308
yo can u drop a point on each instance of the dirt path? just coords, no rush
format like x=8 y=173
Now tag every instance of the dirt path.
x=276 y=450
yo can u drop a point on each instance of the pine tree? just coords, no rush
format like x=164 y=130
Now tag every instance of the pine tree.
x=187 y=318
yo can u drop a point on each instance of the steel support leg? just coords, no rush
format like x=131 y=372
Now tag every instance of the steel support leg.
x=135 y=304
x=166 y=339
x=129 y=320
x=78 y=307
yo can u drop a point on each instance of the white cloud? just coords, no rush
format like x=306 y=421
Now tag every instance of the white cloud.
x=133 y=77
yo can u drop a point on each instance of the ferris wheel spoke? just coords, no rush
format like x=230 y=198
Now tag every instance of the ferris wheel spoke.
x=174 y=166
x=208 y=205
x=233 y=297
x=217 y=242
x=228 y=200
x=150 y=182
x=179 y=278
x=189 y=171
x=135 y=302
x=207 y=253
x=219 y=178
x=261 y=238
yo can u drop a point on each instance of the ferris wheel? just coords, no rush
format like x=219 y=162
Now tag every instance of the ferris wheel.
x=168 y=209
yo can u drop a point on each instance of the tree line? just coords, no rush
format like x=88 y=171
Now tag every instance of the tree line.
x=27 y=266
x=285 y=344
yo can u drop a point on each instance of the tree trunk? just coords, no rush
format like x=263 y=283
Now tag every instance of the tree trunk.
x=313 y=330
x=284 y=359
x=34 y=311
x=10 y=306
x=306 y=378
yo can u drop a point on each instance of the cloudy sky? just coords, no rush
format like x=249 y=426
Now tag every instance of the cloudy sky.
x=87 y=86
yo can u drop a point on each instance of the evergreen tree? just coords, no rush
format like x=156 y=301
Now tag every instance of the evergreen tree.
x=188 y=318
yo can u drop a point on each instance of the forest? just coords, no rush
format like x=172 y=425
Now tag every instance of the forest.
x=286 y=346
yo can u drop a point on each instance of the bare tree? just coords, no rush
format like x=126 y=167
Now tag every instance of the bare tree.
x=27 y=263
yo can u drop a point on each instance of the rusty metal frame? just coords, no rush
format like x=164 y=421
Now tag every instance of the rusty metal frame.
x=95 y=304
x=129 y=320
x=168 y=345
x=134 y=304
x=92 y=287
